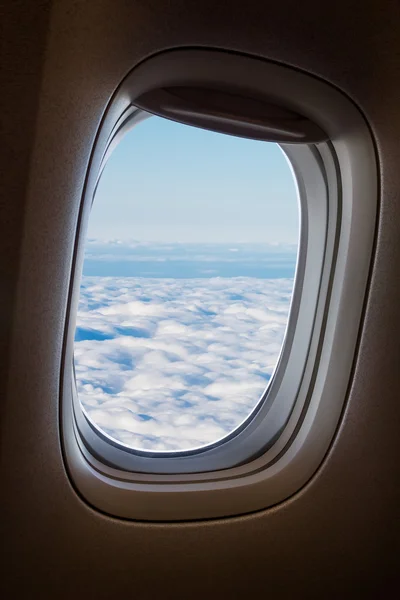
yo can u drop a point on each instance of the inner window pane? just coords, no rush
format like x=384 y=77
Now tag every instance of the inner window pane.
x=187 y=282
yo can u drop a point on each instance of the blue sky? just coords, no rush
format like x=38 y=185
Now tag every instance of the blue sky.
x=167 y=182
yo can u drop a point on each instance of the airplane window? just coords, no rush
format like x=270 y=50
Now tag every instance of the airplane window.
x=187 y=282
x=216 y=291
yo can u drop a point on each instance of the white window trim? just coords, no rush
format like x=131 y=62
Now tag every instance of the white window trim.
x=287 y=438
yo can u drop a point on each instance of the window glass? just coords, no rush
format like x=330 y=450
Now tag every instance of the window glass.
x=187 y=282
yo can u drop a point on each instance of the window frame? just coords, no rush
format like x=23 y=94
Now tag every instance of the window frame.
x=281 y=444
x=270 y=414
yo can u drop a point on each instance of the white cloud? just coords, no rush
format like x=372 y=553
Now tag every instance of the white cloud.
x=170 y=364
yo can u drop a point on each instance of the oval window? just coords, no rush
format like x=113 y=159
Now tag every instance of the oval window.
x=187 y=282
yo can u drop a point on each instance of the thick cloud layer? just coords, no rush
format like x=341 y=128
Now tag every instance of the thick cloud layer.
x=170 y=364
